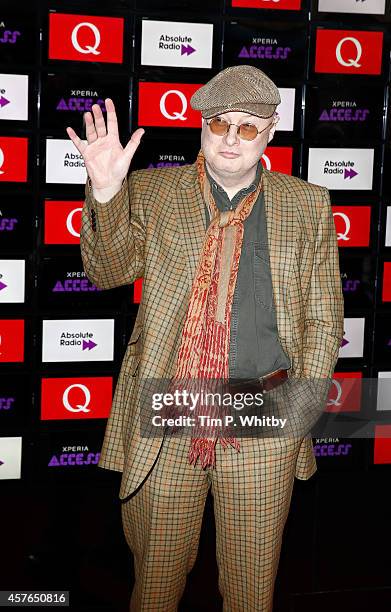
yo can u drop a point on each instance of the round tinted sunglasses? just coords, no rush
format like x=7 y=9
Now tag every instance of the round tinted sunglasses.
x=246 y=131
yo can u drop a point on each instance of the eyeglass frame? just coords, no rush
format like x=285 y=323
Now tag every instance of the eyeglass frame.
x=239 y=126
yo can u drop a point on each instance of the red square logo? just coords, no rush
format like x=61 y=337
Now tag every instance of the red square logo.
x=167 y=105
x=76 y=398
x=382 y=448
x=278 y=159
x=62 y=222
x=287 y=5
x=13 y=159
x=386 y=293
x=86 y=38
x=345 y=392
x=11 y=340
x=352 y=224
x=348 y=51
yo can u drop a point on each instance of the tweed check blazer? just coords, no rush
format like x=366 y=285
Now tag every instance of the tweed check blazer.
x=154 y=228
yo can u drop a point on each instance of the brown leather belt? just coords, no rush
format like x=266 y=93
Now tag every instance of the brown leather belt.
x=263 y=384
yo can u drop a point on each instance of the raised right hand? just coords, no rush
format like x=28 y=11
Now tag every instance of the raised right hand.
x=107 y=161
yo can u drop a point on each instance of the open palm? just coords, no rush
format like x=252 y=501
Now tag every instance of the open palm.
x=107 y=161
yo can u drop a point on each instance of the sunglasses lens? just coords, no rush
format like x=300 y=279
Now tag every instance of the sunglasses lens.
x=248 y=131
x=218 y=126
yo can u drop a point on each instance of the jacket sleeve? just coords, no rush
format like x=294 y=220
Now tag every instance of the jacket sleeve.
x=112 y=237
x=324 y=316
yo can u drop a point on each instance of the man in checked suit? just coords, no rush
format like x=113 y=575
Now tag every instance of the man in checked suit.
x=274 y=308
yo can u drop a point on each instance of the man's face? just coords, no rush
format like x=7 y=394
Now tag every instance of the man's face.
x=229 y=154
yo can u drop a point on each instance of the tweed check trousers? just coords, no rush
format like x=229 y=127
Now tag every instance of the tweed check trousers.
x=162 y=521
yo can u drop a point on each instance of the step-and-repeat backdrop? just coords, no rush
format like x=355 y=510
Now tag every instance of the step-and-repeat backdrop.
x=62 y=338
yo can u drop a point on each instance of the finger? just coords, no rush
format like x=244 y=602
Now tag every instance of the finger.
x=112 y=123
x=100 y=125
x=79 y=144
x=91 y=134
x=134 y=142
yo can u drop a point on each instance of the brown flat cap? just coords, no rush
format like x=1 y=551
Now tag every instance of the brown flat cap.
x=237 y=88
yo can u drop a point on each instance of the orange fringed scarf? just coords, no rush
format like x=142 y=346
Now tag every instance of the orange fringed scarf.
x=204 y=349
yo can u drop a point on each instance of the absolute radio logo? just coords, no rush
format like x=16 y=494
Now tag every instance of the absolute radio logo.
x=62 y=222
x=76 y=398
x=12 y=281
x=14 y=97
x=341 y=169
x=274 y=5
x=345 y=392
x=64 y=164
x=167 y=105
x=86 y=38
x=13 y=159
x=348 y=51
x=11 y=340
x=176 y=44
x=369 y=7
x=77 y=340
x=278 y=159
x=352 y=344
x=10 y=458
x=352 y=224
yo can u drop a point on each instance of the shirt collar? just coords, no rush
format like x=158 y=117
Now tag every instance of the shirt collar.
x=252 y=187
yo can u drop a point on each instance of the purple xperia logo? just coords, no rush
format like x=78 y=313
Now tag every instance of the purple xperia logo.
x=2 y=285
x=79 y=104
x=344 y=114
x=264 y=52
x=350 y=285
x=75 y=284
x=6 y=403
x=9 y=37
x=88 y=345
x=7 y=224
x=332 y=450
x=187 y=49
x=3 y=101
x=79 y=456
x=349 y=173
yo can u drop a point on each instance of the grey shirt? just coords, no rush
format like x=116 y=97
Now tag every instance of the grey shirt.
x=255 y=349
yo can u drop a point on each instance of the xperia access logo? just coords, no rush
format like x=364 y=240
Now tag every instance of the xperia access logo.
x=345 y=392
x=13 y=159
x=62 y=222
x=64 y=164
x=386 y=292
x=74 y=456
x=264 y=48
x=274 y=5
x=348 y=51
x=14 y=97
x=352 y=344
x=341 y=169
x=80 y=101
x=167 y=105
x=175 y=43
x=382 y=446
x=344 y=111
x=74 y=282
x=352 y=224
x=76 y=398
x=86 y=38
x=10 y=458
x=77 y=340
x=278 y=159
x=11 y=340
x=384 y=391
x=368 y=7
x=12 y=281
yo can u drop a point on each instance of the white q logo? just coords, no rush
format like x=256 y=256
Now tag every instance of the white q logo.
x=79 y=407
x=267 y=161
x=351 y=61
x=88 y=48
x=175 y=115
x=69 y=223
x=1 y=160
x=336 y=401
x=343 y=235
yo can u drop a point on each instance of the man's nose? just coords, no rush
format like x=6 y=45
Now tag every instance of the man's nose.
x=232 y=136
